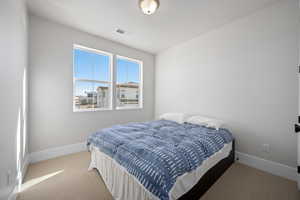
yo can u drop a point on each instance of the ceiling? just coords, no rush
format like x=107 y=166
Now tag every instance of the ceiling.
x=174 y=22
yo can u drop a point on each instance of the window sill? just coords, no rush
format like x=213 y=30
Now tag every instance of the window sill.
x=92 y=110
x=129 y=108
x=106 y=109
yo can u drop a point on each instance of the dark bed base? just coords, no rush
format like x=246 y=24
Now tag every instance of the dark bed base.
x=210 y=177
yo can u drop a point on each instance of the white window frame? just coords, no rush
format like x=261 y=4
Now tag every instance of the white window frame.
x=140 y=84
x=110 y=82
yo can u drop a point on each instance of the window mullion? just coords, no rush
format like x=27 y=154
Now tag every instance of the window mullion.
x=141 y=86
x=113 y=82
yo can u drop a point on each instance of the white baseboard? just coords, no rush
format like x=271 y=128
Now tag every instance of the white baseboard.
x=56 y=152
x=25 y=165
x=14 y=194
x=268 y=166
x=252 y=161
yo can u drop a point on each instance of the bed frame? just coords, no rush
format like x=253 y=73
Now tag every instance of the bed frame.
x=210 y=177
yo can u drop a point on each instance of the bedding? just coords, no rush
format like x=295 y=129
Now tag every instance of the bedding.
x=205 y=121
x=156 y=153
x=177 y=117
x=124 y=186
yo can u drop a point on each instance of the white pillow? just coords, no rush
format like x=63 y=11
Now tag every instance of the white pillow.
x=177 y=117
x=205 y=121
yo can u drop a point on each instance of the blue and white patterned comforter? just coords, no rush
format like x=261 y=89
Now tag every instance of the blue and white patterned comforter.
x=158 y=152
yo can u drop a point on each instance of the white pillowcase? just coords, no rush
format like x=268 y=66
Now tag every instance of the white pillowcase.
x=205 y=121
x=177 y=117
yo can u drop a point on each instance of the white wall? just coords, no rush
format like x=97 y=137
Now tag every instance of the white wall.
x=52 y=121
x=244 y=73
x=13 y=56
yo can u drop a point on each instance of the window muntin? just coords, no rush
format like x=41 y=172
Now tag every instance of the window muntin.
x=92 y=79
x=128 y=83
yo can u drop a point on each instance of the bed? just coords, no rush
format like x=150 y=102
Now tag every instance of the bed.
x=160 y=159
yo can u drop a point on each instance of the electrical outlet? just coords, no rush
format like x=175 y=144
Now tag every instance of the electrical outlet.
x=266 y=148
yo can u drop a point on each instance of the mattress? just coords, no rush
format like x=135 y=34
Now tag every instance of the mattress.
x=124 y=186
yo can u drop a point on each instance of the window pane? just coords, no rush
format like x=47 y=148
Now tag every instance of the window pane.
x=83 y=98
x=92 y=66
x=102 y=95
x=128 y=83
x=91 y=95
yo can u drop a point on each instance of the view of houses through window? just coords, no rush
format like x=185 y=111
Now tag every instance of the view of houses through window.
x=128 y=83
x=93 y=82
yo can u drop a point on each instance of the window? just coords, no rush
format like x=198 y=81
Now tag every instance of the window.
x=92 y=79
x=128 y=83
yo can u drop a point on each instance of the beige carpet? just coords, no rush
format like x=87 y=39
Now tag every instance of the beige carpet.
x=67 y=178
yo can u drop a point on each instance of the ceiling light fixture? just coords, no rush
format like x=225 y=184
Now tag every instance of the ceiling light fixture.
x=149 y=6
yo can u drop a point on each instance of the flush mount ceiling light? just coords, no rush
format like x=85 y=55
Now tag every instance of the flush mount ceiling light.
x=149 y=6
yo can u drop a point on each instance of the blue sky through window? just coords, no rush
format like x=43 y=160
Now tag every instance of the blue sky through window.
x=93 y=66
x=127 y=71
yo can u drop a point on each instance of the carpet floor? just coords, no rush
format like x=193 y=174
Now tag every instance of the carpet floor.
x=67 y=178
